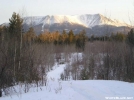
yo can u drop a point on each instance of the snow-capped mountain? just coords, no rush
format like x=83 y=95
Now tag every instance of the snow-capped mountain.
x=92 y=23
x=86 y=20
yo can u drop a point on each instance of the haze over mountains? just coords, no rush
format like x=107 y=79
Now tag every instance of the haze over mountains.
x=93 y=24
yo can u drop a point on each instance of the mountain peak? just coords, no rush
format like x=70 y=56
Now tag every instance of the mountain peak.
x=86 y=20
x=75 y=22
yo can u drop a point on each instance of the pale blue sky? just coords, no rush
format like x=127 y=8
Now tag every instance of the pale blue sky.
x=117 y=9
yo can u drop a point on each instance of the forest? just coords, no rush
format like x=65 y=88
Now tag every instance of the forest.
x=26 y=57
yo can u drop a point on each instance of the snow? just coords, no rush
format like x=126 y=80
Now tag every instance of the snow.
x=55 y=73
x=87 y=20
x=75 y=90
x=79 y=90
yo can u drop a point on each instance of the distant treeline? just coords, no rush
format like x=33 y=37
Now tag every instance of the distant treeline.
x=57 y=38
x=67 y=38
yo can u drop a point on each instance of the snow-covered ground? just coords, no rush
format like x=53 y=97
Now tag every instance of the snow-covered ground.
x=77 y=90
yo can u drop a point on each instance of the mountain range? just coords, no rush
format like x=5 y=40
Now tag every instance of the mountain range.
x=93 y=24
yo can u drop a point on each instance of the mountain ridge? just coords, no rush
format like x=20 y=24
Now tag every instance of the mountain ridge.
x=92 y=23
x=87 y=20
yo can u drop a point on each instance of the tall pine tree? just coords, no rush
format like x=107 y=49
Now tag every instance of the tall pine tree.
x=71 y=36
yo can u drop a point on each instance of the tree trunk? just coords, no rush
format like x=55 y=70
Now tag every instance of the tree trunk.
x=0 y=93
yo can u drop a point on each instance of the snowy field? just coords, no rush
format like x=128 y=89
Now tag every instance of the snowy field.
x=77 y=90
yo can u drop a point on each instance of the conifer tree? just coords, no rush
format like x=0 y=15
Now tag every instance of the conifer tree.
x=15 y=45
x=71 y=36
x=30 y=35
x=64 y=37
x=130 y=37
x=80 y=40
x=15 y=26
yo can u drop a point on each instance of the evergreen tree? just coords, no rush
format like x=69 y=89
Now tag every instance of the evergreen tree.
x=15 y=26
x=71 y=36
x=118 y=37
x=30 y=35
x=84 y=74
x=64 y=37
x=60 y=41
x=130 y=37
x=15 y=44
x=80 y=40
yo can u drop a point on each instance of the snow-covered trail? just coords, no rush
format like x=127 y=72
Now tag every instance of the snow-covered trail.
x=55 y=73
x=76 y=90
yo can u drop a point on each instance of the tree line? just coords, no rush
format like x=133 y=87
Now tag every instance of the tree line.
x=57 y=38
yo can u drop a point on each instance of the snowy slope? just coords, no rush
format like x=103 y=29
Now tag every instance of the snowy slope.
x=98 y=19
x=54 y=19
x=86 y=20
x=76 y=90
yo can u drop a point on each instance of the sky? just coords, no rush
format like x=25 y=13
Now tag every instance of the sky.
x=122 y=10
